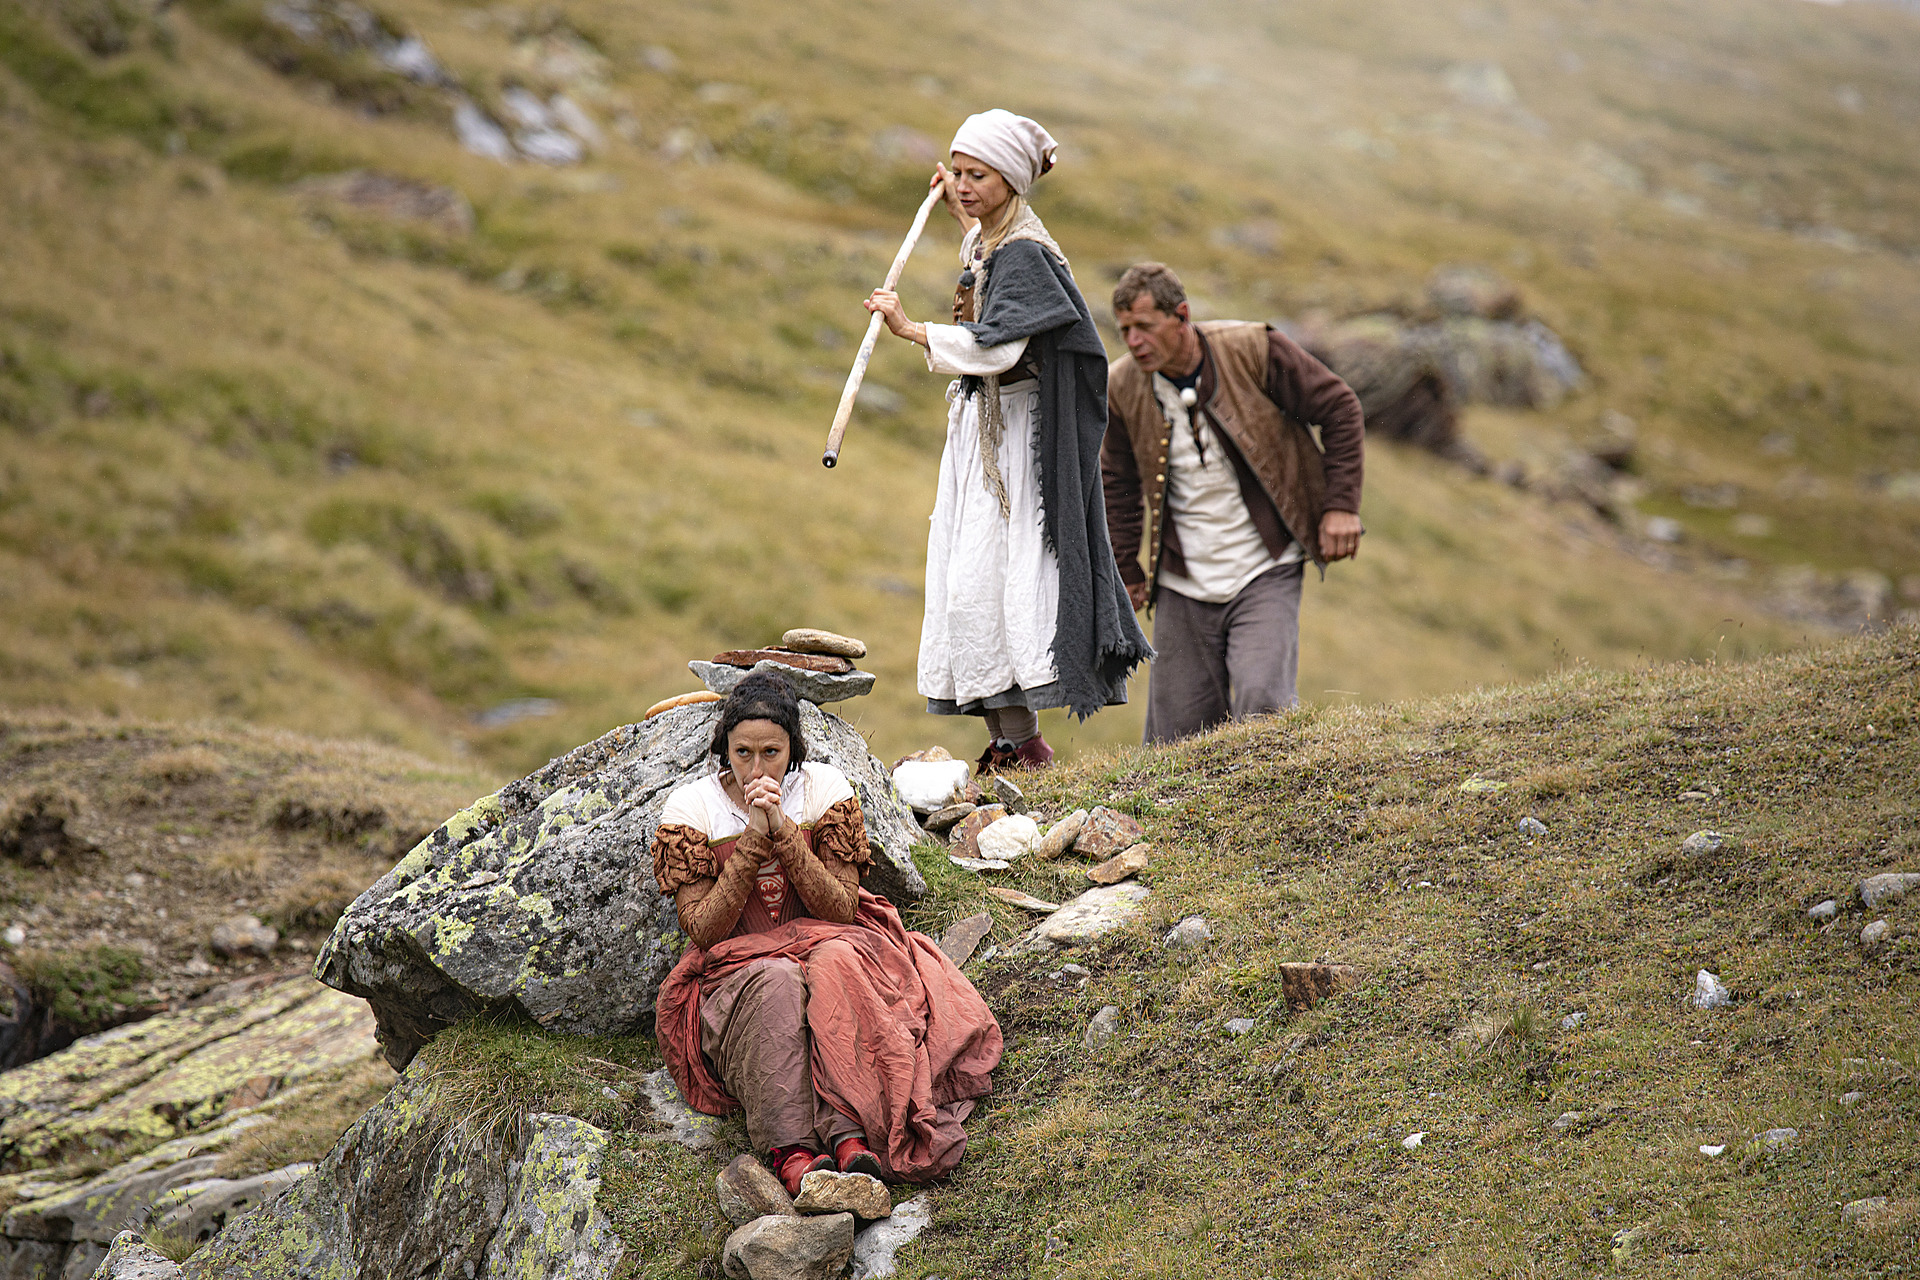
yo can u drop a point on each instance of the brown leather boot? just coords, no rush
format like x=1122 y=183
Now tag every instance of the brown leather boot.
x=1000 y=754
x=1034 y=753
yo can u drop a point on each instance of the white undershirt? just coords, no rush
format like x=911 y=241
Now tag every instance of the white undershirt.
x=1218 y=539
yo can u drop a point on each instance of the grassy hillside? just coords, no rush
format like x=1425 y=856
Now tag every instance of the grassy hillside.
x=276 y=458
x=1523 y=1007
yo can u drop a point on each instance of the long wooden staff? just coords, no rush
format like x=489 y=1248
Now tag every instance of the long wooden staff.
x=859 y=373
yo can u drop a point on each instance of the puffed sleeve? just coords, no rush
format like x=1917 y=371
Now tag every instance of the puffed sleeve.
x=681 y=855
x=841 y=834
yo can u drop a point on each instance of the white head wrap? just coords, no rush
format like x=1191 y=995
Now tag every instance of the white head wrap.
x=1016 y=146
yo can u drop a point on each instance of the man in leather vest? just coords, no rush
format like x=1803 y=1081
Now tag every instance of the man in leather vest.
x=1210 y=453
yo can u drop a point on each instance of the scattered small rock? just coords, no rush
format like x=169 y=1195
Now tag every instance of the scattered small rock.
x=13 y=935
x=1478 y=786
x=1413 y=1140
x=824 y=1191
x=1240 y=1026
x=1572 y=1021
x=1008 y=794
x=978 y=864
x=964 y=839
x=1531 y=826
x=1121 y=865
x=812 y=640
x=1568 y=1119
x=1704 y=842
x=925 y=753
x=748 y=1189
x=1188 y=934
x=1774 y=1139
x=1852 y=1098
x=941 y=821
x=1711 y=1152
x=874 y=1248
x=1695 y=795
x=1101 y=1027
x=1013 y=836
x=1024 y=901
x=244 y=936
x=400 y=199
x=1105 y=833
x=789 y=1248
x=1093 y=914
x=964 y=936
x=1821 y=912
x=1888 y=887
x=1874 y=936
x=1709 y=992
x=1061 y=835
x=1861 y=1212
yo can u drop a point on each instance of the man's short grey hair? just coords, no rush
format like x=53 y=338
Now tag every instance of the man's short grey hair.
x=1156 y=280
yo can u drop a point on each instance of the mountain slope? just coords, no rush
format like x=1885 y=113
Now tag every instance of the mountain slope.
x=273 y=456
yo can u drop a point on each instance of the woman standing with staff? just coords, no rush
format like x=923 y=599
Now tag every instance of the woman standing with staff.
x=1025 y=609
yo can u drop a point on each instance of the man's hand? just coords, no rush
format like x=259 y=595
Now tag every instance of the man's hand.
x=1340 y=535
x=1137 y=593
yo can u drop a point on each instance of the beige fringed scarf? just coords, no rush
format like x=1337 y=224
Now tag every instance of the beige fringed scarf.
x=993 y=427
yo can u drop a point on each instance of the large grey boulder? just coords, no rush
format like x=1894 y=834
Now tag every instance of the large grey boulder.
x=406 y=1192
x=541 y=896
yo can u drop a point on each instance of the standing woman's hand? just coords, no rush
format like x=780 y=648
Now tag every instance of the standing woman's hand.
x=887 y=303
x=943 y=179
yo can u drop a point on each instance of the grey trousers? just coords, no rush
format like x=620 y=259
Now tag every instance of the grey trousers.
x=1221 y=661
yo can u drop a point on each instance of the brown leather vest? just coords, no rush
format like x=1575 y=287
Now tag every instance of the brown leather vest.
x=1281 y=453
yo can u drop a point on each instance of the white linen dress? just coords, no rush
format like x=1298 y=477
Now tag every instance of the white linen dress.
x=993 y=587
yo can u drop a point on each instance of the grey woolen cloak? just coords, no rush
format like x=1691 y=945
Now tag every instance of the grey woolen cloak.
x=1097 y=641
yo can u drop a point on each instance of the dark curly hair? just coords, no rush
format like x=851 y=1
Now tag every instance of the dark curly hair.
x=762 y=696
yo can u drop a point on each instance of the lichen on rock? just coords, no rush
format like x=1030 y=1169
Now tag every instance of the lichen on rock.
x=540 y=898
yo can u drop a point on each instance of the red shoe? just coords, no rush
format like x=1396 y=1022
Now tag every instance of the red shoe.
x=1000 y=754
x=1034 y=753
x=856 y=1157
x=795 y=1163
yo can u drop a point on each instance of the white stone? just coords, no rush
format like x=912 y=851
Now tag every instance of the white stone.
x=1568 y=1119
x=1240 y=1026
x=1089 y=916
x=1717 y=1150
x=1101 y=1027
x=479 y=134
x=1703 y=842
x=1014 y=836
x=1774 y=1139
x=1709 y=992
x=1532 y=827
x=1852 y=1098
x=1874 y=936
x=1859 y=1211
x=1413 y=1140
x=930 y=785
x=1823 y=911
x=1572 y=1021
x=874 y=1248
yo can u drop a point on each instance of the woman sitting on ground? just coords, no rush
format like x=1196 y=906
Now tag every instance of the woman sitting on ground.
x=849 y=1042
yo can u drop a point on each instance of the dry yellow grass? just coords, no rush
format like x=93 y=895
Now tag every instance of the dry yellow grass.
x=278 y=463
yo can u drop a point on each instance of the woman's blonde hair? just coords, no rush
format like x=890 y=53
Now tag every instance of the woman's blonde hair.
x=1009 y=216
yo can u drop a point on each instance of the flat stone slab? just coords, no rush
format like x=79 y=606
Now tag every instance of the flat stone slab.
x=810 y=686
x=1024 y=901
x=1091 y=915
x=1107 y=832
x=178 y=1072
x=963 y=937
x=859 y=1194
x=1121 y=865
x=825 y=664
x=814 y=640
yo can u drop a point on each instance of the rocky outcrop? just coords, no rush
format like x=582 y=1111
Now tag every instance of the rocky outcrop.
x=406 y=1193
x=178 y=1072
x=541 y=896
x=131 y=1259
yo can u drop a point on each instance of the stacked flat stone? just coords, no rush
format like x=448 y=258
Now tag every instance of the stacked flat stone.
x=818 y=664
